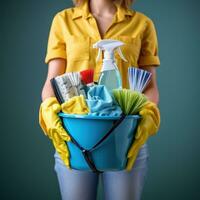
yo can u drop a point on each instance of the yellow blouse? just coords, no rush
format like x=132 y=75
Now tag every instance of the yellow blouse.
x=74 y=30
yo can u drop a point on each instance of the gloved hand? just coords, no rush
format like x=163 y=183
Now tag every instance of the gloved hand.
x=51 y=124
x=148 y=126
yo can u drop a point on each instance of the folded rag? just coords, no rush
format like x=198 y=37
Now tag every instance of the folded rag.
x=101 y=103
x=75 y=105
x=148 y=126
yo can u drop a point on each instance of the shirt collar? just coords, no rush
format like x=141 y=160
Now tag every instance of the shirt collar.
x=83 y=11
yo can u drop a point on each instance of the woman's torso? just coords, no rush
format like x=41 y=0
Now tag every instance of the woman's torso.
x=80 y=32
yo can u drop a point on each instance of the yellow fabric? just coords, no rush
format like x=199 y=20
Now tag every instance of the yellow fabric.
x=74 y=30
x=148 y=126
x=75 y=105
x=52 y=127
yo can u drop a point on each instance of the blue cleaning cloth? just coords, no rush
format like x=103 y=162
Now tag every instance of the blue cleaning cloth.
x=101 y=103
x=114 y=111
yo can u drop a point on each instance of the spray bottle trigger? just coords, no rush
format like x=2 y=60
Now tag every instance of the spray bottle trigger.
x=121 y=54
x=99 y=54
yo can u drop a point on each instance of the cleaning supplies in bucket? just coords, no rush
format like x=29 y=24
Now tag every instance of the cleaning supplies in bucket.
x=110 y=75
x=99 y=100
x=107 y=145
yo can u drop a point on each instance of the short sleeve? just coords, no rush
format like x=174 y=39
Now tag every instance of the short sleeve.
x=149 y=46
x=56 y=47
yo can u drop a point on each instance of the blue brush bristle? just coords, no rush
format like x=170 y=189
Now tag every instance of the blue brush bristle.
x=138 y=78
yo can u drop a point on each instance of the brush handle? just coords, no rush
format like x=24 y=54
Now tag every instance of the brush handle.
x=83 y=92
x=57 y=91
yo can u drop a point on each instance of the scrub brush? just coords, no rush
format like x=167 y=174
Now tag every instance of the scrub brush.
x=75 y=79
x=138 y=78
x=62 y=88
x=130 y=101
x=87 y=77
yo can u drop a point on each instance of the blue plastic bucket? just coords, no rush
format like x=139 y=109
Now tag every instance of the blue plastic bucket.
x=87 y=130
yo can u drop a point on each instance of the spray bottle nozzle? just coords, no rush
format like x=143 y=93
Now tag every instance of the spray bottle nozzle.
x=109 y=46
x=121 y=54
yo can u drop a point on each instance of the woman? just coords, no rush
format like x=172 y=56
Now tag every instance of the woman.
x=72 y=33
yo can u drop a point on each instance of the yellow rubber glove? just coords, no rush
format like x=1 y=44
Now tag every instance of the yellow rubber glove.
x=75 y=105
x=51 y=125
x=148 y=126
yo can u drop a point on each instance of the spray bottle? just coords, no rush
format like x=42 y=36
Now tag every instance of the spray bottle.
x=110 y=75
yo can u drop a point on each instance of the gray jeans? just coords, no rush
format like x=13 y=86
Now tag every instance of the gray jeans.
x=117 y=185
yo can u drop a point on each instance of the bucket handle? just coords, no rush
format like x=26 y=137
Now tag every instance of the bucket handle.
x=115 y=125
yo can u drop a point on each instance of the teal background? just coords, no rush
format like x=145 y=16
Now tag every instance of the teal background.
x=27 y=155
